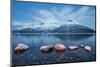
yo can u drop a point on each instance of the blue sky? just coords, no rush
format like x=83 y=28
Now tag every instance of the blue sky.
x=30 y=12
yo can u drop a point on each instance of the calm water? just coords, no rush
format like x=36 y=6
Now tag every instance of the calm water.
x=34 y=41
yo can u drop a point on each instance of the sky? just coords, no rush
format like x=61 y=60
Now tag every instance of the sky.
x=33 y=12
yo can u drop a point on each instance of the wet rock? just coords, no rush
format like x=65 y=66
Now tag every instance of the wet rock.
x=82 y=46
x=60 y=47
x=46 y=48
x=87 y=48
x=20 y=48
x=72 y=47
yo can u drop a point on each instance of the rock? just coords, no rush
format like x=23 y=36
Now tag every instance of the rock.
x=21 y=48
x=87 y=48
x=72 y=47
x=59 y=47
x=46 y=48
x=82 y=46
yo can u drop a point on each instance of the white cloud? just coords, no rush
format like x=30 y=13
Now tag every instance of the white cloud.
x=80 y=12
x=57 y=16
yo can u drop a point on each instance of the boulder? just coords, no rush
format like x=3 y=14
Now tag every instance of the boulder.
x=87 y=48
x=82 y=46
x=72 y=47
x=21 y=47
x=59 y=47
x=46 y=48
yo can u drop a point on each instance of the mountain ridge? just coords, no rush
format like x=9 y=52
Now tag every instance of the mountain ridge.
x=68 y=28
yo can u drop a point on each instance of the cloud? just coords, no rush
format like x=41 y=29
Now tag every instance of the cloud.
x=55 y=16
x=80 y=13
x=62 y=15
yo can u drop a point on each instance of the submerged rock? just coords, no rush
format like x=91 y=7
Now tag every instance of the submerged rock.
x=87 y=48
x=46 y=48
x=60 y=47
x=72 y=47
x=21 y=48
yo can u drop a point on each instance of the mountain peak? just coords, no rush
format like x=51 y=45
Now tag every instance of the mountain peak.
x=54 y=28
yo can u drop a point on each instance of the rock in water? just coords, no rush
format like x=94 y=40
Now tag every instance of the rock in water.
x=82 y=46
x=21 y=48
x=87 y=48
x=72 y=47
x=46 y=48
x=60 y=47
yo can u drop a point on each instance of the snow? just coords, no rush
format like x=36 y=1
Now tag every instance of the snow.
x=48 y=25
x=41 y=26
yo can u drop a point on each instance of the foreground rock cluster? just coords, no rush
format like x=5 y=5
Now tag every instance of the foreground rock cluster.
x=49 y=48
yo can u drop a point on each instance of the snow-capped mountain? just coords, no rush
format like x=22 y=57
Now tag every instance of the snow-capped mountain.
x=51 y=28
x=38 y=26
x=73 y=28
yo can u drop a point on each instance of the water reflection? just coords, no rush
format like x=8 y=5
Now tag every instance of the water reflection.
x=34 y=41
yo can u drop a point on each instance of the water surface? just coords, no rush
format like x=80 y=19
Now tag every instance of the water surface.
x=33 y=55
